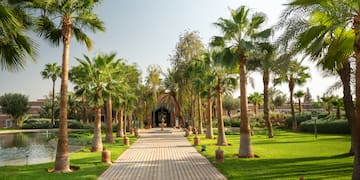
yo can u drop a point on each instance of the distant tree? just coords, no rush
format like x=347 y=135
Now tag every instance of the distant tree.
x=16 y=105
x=230 y=104
x=327 y=102
x=52 y=71
x=279 y=100
x=299 y=94
x=46 y=109
x=256 y=99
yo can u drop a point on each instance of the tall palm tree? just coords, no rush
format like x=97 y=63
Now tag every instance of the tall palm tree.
x=296 y=74
x=240 y=33
x=256 y=99
x=15 y=45
x=266 y=60
x=52 y=71
x=224 y=83
x=98 y=74
x=58 y=20
x=299 y=94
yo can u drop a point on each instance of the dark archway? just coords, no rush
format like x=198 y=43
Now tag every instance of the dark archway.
x=160 y=113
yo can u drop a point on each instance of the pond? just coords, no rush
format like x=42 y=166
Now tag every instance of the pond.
x=26 y=148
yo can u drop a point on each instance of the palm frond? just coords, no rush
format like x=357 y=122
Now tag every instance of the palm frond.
x=82 y=37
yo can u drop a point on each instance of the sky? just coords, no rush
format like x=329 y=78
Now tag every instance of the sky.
x=145 y=32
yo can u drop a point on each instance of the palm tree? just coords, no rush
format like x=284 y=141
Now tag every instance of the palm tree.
x=15 y=45
x=224 y=83
x=240 y=33
x=98 y=75
x=81 y=89
x=266 y=62
x=72 y=17
x=52 y=71
x=327 y=100
x=299 y=94
x=296 y=74
x=256 y=99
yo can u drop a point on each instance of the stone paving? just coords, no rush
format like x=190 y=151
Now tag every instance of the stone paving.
x=162 y=155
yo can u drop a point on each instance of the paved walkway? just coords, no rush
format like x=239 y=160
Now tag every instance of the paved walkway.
x=161 y=155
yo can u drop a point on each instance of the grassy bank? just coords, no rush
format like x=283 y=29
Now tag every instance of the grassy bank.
x=286 y=156
x=89 y=162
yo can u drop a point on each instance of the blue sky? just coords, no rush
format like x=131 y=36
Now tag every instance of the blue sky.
x=145 y=32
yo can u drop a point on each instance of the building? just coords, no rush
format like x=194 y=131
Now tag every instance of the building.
x=166 y=109
x=35 y=107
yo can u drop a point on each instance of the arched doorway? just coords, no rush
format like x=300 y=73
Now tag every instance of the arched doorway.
x=160 y=113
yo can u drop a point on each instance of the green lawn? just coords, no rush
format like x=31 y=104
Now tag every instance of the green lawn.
x=286 y=156
x=89 y=163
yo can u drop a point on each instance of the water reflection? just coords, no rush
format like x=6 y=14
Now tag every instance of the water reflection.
x=25 y=148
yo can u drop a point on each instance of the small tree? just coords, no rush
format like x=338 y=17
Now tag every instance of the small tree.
x=279 y=100
x=230 y=104
x=16 y=105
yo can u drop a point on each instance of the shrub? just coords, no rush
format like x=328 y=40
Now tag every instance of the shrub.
x=327 y=126
x=299 y=118
x=35 y=123
x=74 y=124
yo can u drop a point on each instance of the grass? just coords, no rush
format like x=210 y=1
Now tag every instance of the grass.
x=89 y=162
x=288 y=155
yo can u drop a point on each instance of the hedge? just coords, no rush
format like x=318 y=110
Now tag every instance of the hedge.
x=35 y=123
x=40 y=123
x=326 y=126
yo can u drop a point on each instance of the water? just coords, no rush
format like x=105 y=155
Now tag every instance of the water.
x=26 y=148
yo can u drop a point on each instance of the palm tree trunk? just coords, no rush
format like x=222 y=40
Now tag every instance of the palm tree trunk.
x=120 y=130
x=291 y=88
x=62 y=161
x=221 y=140
x=356 y=124
x=255 y=108
x=97 y=142
x=245 y=149
x=53 y=105
x=266 y=79
x=345 y=74
x=109 y=130
x=200 y=128
x=209 y=129
x=193 y=109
